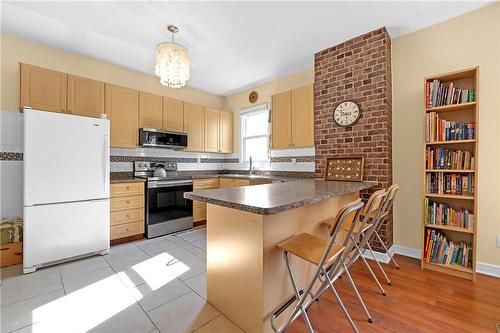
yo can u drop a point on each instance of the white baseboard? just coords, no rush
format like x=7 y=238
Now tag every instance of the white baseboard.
x=481 y=267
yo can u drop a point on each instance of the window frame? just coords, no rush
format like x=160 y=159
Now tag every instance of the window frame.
x=263 y=108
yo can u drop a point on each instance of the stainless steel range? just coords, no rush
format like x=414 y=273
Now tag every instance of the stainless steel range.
x=166 y=209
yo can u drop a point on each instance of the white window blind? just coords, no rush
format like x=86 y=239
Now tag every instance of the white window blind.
x=254 y=134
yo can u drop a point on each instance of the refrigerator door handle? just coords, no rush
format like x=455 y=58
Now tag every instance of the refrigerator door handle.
x=106 y=163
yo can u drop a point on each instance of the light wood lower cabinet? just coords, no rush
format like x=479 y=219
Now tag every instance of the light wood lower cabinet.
x=127 y=210
x=233 y=182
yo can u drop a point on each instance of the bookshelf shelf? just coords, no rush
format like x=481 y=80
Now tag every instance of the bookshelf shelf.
x=449 y=196
x=450 y=227
x=450 y=88
x=450 y=170
x=453 y=107
x=451 y=142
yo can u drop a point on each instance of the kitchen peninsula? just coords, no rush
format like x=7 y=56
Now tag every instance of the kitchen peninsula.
x=246 y=275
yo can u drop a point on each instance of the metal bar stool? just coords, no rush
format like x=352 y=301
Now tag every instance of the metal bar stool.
x=326 y=256
x=364 y=229
x=388 y=206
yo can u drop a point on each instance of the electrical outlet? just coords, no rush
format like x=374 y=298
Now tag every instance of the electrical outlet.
x=294 y=160
x=498 y=240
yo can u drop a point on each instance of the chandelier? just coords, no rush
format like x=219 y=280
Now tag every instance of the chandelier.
x=172 y=62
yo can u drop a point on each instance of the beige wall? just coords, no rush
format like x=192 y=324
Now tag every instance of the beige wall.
x=466 y=41
x=239 y=101
x=15 y=50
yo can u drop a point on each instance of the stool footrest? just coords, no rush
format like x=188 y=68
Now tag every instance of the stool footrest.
x=287 y=304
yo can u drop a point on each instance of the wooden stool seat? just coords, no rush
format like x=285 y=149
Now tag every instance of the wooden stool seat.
x=311 y=248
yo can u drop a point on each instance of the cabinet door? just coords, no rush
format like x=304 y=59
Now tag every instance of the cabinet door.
x=282 y=120
x=85 y=96
x=150 y=110
x=43 y=89
x=226 y=132
x=302 y=117
x=122 y=108
x=173 y=115
x=211 y=130
x=194 y=126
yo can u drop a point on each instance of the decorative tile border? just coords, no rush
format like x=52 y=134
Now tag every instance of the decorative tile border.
x=289 y=159
x=10 y=156
x=116 y=158
x=220 y=160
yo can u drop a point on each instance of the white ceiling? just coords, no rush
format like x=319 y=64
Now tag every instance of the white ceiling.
x=232 y=45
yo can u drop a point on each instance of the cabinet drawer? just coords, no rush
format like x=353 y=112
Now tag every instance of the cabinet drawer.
x=199 y=184
x=199 y=204
x=122 y=203
x=127 y=229
x=125 y=216
x=233 y=182
x=124 y=189
x=199 y=213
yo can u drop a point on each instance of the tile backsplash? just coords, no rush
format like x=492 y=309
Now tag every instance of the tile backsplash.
x=11 y=159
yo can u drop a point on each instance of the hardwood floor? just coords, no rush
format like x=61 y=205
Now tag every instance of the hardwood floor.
x=418 y=301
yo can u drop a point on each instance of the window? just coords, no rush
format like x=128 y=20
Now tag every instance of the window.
x=254 y=134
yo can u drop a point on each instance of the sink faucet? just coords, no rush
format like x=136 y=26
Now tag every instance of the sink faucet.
x=250 y=170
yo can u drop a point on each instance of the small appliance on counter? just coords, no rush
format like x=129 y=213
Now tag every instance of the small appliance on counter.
x=66 y=188
x=153 y=138
x=166 y=209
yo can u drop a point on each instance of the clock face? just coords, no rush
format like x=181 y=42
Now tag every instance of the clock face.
x=346 y=113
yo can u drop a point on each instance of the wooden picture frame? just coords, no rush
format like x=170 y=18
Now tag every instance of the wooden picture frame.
x=350 y=169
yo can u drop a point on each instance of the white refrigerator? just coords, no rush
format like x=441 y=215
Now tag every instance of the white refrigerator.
x=66 y=188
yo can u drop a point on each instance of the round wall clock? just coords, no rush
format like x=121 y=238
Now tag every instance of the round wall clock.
x=347 y=113
x=252 y=98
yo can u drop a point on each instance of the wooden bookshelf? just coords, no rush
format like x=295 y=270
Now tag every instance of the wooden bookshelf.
x=462 y=112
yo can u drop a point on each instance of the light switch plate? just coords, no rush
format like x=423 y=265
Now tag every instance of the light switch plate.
x=498 y=240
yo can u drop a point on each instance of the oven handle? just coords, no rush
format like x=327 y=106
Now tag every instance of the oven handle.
x=169 y=183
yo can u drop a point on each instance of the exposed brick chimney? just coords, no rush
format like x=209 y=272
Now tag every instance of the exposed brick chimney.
x=360 y=70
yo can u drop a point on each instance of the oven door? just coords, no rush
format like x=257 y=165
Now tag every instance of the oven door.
x=167 y=210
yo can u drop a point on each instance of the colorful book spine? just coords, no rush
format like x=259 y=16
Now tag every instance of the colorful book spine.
x=441 y=94
x=440 y=250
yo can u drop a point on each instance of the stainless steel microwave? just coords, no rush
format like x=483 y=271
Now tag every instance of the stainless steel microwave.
x=153 y=138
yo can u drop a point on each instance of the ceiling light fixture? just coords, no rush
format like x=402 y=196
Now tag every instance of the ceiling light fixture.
x=172 y=62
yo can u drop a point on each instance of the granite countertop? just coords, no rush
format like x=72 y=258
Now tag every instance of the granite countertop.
x=124 y=177
x=277 y=197
x=242 y=176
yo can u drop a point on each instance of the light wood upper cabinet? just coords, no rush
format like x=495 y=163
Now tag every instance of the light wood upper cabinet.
x=302 y=117
x=122 y=108
x=211 y=130
x=194 y=126
x=173 y=115
x=43 y=89
x=150 y=110
x=282 y=120
x=85 y=96
x=226 y=132
x=293 y=118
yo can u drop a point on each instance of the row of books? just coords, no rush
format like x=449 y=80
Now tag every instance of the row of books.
x=450 y=183
x=443 y=158
x=442 y=214
x=446 y=130
x=439 y=94
x=439 y=250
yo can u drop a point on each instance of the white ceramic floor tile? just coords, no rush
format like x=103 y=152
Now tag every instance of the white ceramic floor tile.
x=22 y=314
x=83 y=266
x=157 y=247
x=119 y=250
x=149 y=299
x=199 y=284
x=86 y=279
x=184 y=314
x=177 y=240
x=195 y=264
x=120 y=262
x=199 y=252
x=220 y=325
x=130 y=320
x=24 y=287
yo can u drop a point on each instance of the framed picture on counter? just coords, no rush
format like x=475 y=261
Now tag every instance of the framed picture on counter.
x=345 y=168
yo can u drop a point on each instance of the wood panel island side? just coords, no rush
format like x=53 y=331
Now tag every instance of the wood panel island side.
x=246 y=274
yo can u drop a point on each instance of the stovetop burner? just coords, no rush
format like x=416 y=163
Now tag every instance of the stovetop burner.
x=145 y=170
